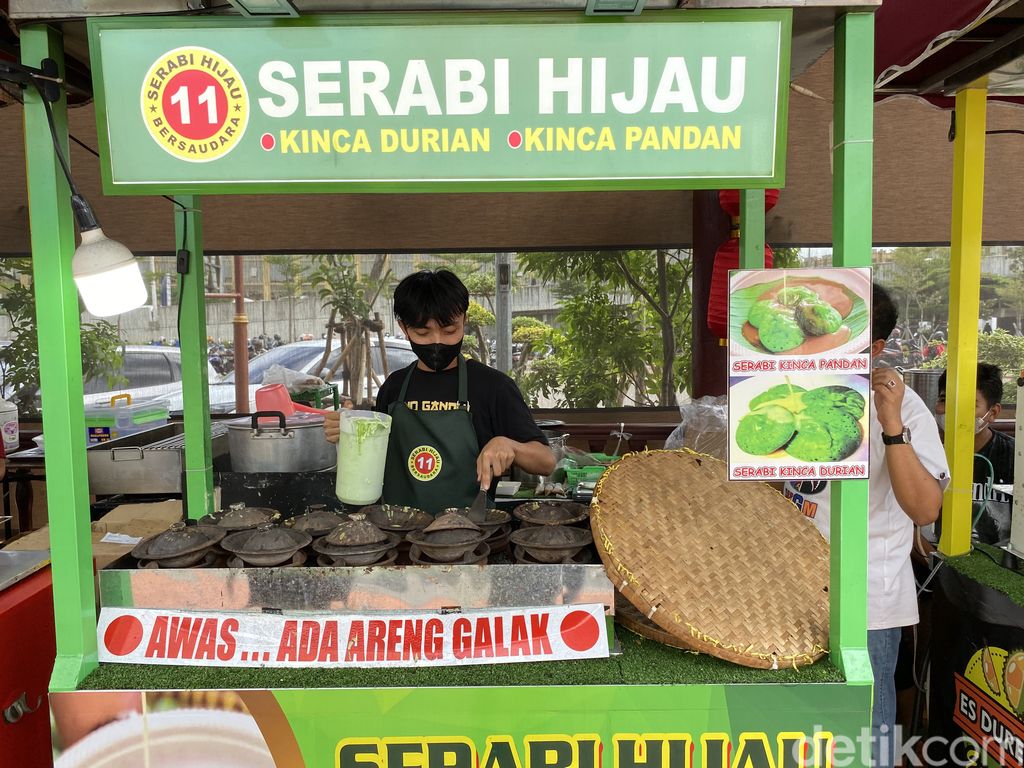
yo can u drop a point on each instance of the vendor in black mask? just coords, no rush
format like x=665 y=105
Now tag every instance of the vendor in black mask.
x=457 y=425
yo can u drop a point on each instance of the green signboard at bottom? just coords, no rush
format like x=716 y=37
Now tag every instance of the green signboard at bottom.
x=442 y=102
x=699 y=726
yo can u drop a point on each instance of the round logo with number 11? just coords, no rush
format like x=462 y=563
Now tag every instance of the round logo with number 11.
x=195 y=104
x=424 y=463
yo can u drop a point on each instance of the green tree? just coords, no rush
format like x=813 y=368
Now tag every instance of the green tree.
x=294 y=279
x=920 y=278
x=588 y=369
x=477 y=316
x=102 y=342
x=654 y=286
x=785 y=258
x=1011 y=289
x=998 y=348
x=349 y=297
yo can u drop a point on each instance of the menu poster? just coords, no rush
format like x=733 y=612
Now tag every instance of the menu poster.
x=799 y=373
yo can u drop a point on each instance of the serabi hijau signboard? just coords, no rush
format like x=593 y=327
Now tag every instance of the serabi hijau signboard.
x=436 y=102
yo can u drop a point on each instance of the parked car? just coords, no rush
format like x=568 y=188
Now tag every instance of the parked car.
x=305 y=356
x=151 y=372
x=155 y=372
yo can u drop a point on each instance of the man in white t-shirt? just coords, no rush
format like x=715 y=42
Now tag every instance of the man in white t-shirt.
x=908 y=474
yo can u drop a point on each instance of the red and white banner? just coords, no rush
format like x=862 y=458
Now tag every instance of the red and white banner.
x=499 y=636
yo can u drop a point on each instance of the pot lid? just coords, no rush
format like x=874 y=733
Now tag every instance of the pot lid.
x=272 y=420
x=265 y=539
x=451 y=520
x=495 y=518
x=392 y=517
x=324 y=547
x=354 y=532
x=179 y=539
x=551 y=536
x=316 y=520
x=239 y=517
x=551 y=513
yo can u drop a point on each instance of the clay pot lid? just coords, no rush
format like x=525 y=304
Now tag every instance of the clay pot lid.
x=393 y=517
x=239 y=517
x=551 y=537
x=325 y=547
x=179 y=539
x=266 y=538
x=357 y=531
x=317 y=520
x=551 y=513
x=448 y=545
x=451 y=520
x=494 y=517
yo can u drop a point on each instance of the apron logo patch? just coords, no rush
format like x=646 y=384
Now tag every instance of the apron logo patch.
x=424 y=463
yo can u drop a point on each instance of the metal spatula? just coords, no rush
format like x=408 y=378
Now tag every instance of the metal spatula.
x=478 y=511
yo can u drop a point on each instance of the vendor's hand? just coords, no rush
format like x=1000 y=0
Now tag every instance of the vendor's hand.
x=888 y=387
x=332 y=426
x=494 y=460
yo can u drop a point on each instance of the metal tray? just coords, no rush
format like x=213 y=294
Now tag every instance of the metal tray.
x=151 y=461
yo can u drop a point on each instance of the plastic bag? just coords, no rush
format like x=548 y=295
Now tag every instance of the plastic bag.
x=703 y=427
x=294 y=381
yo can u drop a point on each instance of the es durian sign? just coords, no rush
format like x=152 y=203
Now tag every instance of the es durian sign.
x=386 y=102
x=799 y=374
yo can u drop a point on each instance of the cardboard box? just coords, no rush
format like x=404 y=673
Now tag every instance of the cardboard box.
x=136 y=520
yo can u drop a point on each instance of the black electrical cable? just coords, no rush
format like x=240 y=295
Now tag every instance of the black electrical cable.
x=89 y=150
x=57 y=149
x=72 y=137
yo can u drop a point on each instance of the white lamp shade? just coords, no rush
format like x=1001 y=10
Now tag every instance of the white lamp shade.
x=107 y=275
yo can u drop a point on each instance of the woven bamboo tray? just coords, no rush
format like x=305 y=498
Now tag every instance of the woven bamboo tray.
x=729 y=569
x=628 y=616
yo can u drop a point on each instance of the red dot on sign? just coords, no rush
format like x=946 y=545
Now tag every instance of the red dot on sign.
x=195 y=104
x=515 y=139
x=579 y=630
x=267 y=141
x=123 y=635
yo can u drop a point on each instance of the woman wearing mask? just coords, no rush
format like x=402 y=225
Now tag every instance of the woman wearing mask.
x=457 y=425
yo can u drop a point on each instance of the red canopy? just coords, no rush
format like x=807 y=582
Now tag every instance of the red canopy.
x=919 y=43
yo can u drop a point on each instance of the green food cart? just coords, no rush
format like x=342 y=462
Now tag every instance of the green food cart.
x=435 y=103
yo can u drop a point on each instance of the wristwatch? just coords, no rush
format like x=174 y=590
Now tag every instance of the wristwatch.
x=903 y=438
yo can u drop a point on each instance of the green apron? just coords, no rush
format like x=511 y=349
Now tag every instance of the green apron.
x=431 y=462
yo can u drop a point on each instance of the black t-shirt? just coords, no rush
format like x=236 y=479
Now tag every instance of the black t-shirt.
x=495 y=403
x=994 y=524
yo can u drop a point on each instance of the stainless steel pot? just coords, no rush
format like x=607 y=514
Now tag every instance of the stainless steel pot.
x=292 y=444
x=924 y=381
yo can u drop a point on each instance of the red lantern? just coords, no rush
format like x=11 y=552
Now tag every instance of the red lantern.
x=728 y=258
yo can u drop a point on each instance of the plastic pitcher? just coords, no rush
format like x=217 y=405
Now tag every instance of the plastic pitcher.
x=275 y=397
x=362 y=450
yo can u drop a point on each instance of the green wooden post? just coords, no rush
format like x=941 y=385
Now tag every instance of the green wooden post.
x=195 y=383
x=60 y=373
x=851 y=236
x=752 y=229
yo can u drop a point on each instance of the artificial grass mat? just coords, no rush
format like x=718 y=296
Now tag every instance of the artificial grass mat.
x=642 y=662
x=982 y=565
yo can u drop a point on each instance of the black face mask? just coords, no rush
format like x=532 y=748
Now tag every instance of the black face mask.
x=436 y=357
